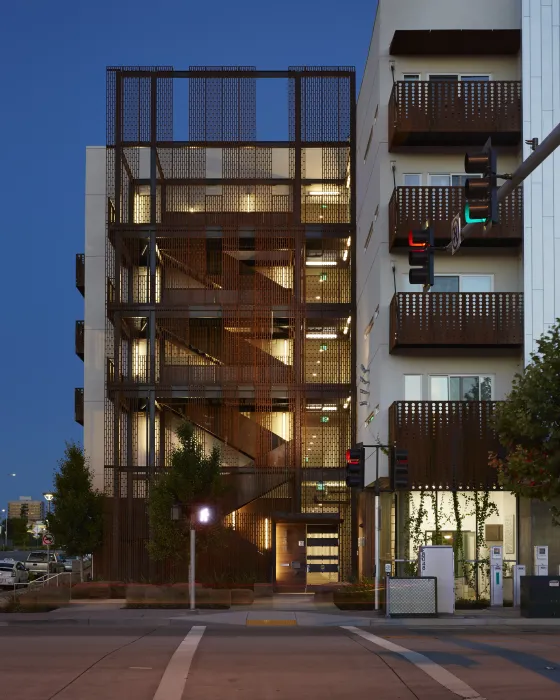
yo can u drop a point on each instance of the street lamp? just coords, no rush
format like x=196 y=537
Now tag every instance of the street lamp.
x=48 y=498
x=7 y=510
x=203 y=515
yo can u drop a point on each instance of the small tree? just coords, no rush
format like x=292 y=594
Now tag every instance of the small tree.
x=77 y=520
x=528 y=425
x=193 y=478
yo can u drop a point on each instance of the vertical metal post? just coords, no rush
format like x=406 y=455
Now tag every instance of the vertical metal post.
x=299 y=266
x=192 y=567
x=377 y=558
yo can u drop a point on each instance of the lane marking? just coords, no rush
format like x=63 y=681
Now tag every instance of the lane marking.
x=175 y=675
x=438 y=673
x=273 y=623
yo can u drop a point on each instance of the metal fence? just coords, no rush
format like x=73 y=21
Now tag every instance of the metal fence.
x=411 y=597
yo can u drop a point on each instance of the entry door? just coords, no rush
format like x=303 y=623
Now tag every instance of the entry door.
x=322 y=554
x=290 y=557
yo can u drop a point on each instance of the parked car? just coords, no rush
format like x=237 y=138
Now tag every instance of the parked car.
x=12 y=573
x=72 y=563
x=37 y=563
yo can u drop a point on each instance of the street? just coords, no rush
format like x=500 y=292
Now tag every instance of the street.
x=44 y=662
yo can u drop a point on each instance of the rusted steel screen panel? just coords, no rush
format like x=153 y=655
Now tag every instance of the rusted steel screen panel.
x=448 y=442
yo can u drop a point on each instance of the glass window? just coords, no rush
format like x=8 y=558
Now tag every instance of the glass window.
x=446 y=76
x=413 y=387
x=439 y=388
x=472 y=78
x=411 y=76
x=440 y=180
x=460 y=388
x=446 y=283
x=412 y=179
x=476 y=283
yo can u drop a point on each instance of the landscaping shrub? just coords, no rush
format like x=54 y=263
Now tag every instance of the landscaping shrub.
x=357 y=596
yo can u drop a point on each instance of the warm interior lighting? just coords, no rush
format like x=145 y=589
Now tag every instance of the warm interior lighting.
x=320 y=263
x=323 y=193
x=321 y=336
x=266 y=533
x=345 y=255
x=319 y=407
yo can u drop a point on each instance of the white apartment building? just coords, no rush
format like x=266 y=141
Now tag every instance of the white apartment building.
x=441 y=77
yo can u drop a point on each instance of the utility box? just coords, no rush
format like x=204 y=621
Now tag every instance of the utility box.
x=540 y=596
x=438 y=561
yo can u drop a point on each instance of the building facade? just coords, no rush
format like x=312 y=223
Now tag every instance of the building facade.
x=219 y=289
x=27 y=508
x=438 y=83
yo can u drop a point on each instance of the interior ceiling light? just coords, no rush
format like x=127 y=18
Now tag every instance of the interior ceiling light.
x=322 y=336
x=320 y=263
x=322 y=193
x=345 y=255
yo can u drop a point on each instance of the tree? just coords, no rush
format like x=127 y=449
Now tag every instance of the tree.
x=17 y=531
x=77 y=520
x=528 y=425
x=192 y=479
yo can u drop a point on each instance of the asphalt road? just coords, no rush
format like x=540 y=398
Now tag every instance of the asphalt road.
x=261 y=663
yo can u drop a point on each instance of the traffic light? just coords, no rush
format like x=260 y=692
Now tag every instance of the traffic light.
x=421 y=256
x=355 y=465
x=481 y=193
x=400 y=469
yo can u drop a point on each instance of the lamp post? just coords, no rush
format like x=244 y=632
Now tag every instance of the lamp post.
x=202 y=515
x=7 y=511
x=5 y=528
x=48 y=498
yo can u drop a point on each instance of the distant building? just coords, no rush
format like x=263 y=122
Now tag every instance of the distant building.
x=26 y=507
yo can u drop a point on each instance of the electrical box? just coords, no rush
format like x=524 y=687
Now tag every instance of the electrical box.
x=519 y=570
x=496 y=576
x=540 y=560
x=439 y=561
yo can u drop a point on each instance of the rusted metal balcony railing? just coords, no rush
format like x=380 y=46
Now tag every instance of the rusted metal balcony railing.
x=79 y=406
x=438 y=113
x=448 y=442
x=81 y=273
x=79 y=332
x=456 y=319
x=411 y=207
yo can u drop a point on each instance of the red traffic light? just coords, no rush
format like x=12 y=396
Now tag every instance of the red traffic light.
x=417 y=244
x=352 y=457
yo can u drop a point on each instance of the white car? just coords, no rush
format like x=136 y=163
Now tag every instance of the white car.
x=12 y=573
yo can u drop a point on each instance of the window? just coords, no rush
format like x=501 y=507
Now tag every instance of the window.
x=412 y=179
x=449 y=180
x=463 y=77
x=411 y=76
x=453 y=283
x=413 y=387
x=461 y=388
x=368 y=143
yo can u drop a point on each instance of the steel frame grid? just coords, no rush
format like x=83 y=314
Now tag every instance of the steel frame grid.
x=218 y=117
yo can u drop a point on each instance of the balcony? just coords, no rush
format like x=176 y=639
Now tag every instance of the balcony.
x=447 y=441
x=79 y=406
x=81 y=273
x=79 y=341
x=456 y=320
x=443 y=113
x=411 y=207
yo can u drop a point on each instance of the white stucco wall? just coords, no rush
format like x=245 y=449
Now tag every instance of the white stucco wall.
x=94 y=321
x=541 y=112
x=375 y=184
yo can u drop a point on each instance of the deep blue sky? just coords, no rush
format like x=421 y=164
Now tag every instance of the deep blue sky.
x=53 y=57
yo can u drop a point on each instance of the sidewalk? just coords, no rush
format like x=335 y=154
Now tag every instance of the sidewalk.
x=113 y=613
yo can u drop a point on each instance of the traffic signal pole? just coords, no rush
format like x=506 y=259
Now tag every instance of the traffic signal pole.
x=537 y=157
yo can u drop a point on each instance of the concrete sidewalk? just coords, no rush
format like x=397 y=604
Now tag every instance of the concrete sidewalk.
x=113 y=613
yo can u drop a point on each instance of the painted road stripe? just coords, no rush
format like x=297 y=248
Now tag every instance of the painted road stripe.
x=175 y=675
x=438 y=673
